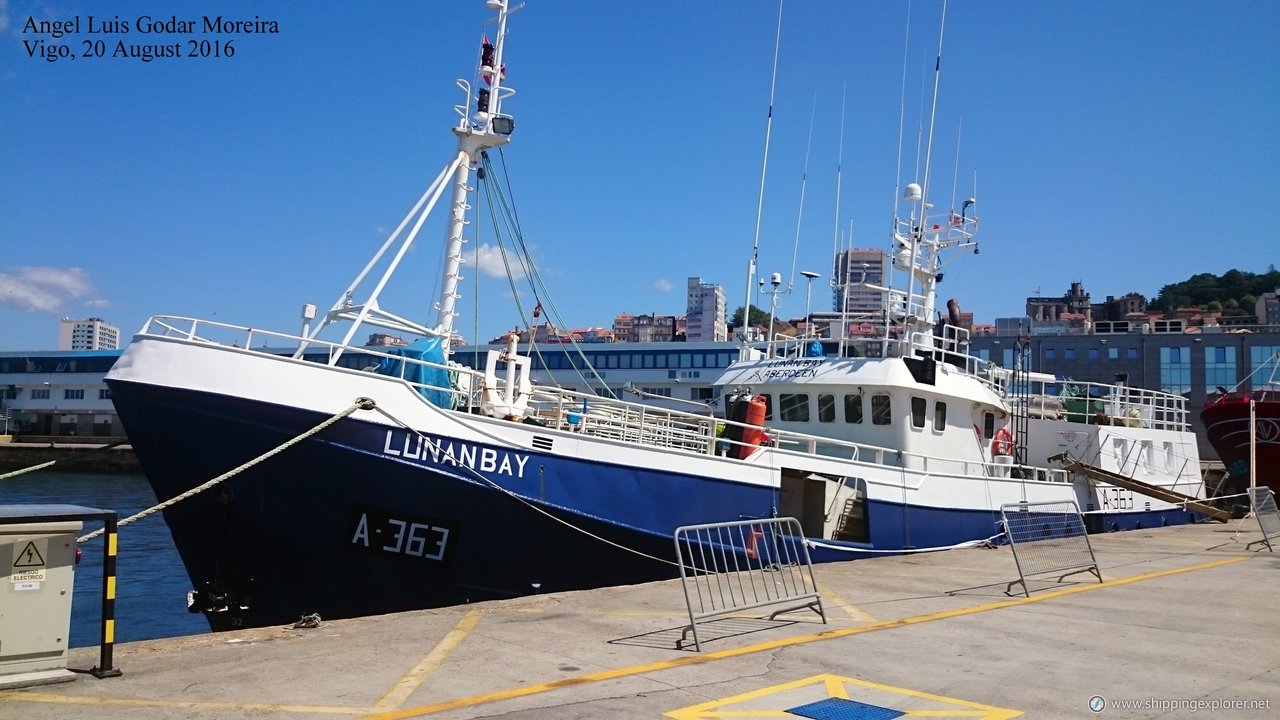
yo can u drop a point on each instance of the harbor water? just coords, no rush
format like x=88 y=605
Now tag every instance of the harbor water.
x=151 y=584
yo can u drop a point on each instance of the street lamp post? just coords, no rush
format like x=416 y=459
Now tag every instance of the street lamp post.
x=809 y=276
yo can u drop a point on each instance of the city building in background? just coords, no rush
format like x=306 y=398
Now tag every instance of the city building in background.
x=855 y=270
x=88 y=334
x=705 y=313
x=647 y=328
x=1267 y=308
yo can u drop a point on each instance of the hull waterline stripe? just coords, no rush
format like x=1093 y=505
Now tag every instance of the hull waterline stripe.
x=777 y=644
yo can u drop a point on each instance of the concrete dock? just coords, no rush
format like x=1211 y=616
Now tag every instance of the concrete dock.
x=1184 y=624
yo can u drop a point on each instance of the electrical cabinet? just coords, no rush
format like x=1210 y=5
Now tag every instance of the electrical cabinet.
x=37 y=560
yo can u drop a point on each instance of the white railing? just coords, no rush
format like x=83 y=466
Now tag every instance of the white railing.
x=1123 y=405
x=594 y=415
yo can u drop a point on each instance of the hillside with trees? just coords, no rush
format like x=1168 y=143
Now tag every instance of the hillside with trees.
x=1234 y=292
x=760 y=318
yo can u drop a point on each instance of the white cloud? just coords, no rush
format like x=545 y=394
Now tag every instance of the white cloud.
x=44 y=288
x=98 y=303
x=4 y=15
x=662 y=285
x=488 y=259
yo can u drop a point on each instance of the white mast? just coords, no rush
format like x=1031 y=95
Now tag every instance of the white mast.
x=477 y=132
x=920 y=316
x=764 y=168
x=486 y=128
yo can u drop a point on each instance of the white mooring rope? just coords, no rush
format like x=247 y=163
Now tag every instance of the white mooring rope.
x=360 y=404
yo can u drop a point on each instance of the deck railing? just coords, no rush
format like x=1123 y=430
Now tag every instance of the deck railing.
x=589 y=414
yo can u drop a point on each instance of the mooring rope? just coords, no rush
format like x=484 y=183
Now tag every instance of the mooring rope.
x=72 y=458
x=988 y=542
x=362 y=403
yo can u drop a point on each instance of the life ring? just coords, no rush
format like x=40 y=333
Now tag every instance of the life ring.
x=1002 y=443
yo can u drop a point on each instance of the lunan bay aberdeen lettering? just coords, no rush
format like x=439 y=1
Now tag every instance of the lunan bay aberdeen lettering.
x=413 y=446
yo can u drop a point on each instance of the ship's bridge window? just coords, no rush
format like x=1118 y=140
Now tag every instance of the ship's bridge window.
x=794 y=406
x=826 y=408
x=940 y=416
x=881 y=410
x=988 y=426
x=853 y=408
x=918 y=405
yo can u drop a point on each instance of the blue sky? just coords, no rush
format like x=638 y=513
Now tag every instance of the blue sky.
x=1123 y=144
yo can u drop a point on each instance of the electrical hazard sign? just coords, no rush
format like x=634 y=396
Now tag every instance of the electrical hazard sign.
x=29 y=560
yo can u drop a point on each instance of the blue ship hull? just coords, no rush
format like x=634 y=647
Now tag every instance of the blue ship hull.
x=333 y=527
x=364 y=520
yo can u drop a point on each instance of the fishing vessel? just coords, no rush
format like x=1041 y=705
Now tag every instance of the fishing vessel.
x=1244 y=428
x=324 y=476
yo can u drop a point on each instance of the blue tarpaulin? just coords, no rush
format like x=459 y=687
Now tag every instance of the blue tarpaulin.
x=427 y=350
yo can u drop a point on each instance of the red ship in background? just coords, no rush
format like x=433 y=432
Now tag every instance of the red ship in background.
x=1226 y=421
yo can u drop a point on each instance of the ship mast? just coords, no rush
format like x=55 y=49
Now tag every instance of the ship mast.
x=486 y=128
x=920 y=240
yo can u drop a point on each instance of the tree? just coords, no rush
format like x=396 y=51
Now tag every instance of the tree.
x=1232 y=290
x=760 y=317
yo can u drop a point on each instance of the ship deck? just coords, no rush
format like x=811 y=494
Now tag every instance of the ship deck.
x=1185 y=615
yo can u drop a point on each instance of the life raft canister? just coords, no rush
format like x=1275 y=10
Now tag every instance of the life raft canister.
x=1002 y=443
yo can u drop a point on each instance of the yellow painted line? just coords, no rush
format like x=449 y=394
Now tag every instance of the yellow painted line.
x=111 y=544
x=411 y=680
x=837 y=686
x=686 y=660
x=111 y=588
x=852 y=610
x=178 y=704
x=109 y=631
x=976 y=709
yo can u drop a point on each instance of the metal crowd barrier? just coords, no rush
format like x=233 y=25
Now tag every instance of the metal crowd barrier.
x=734 y=566
x=1047 y=537
x=1264 y=508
